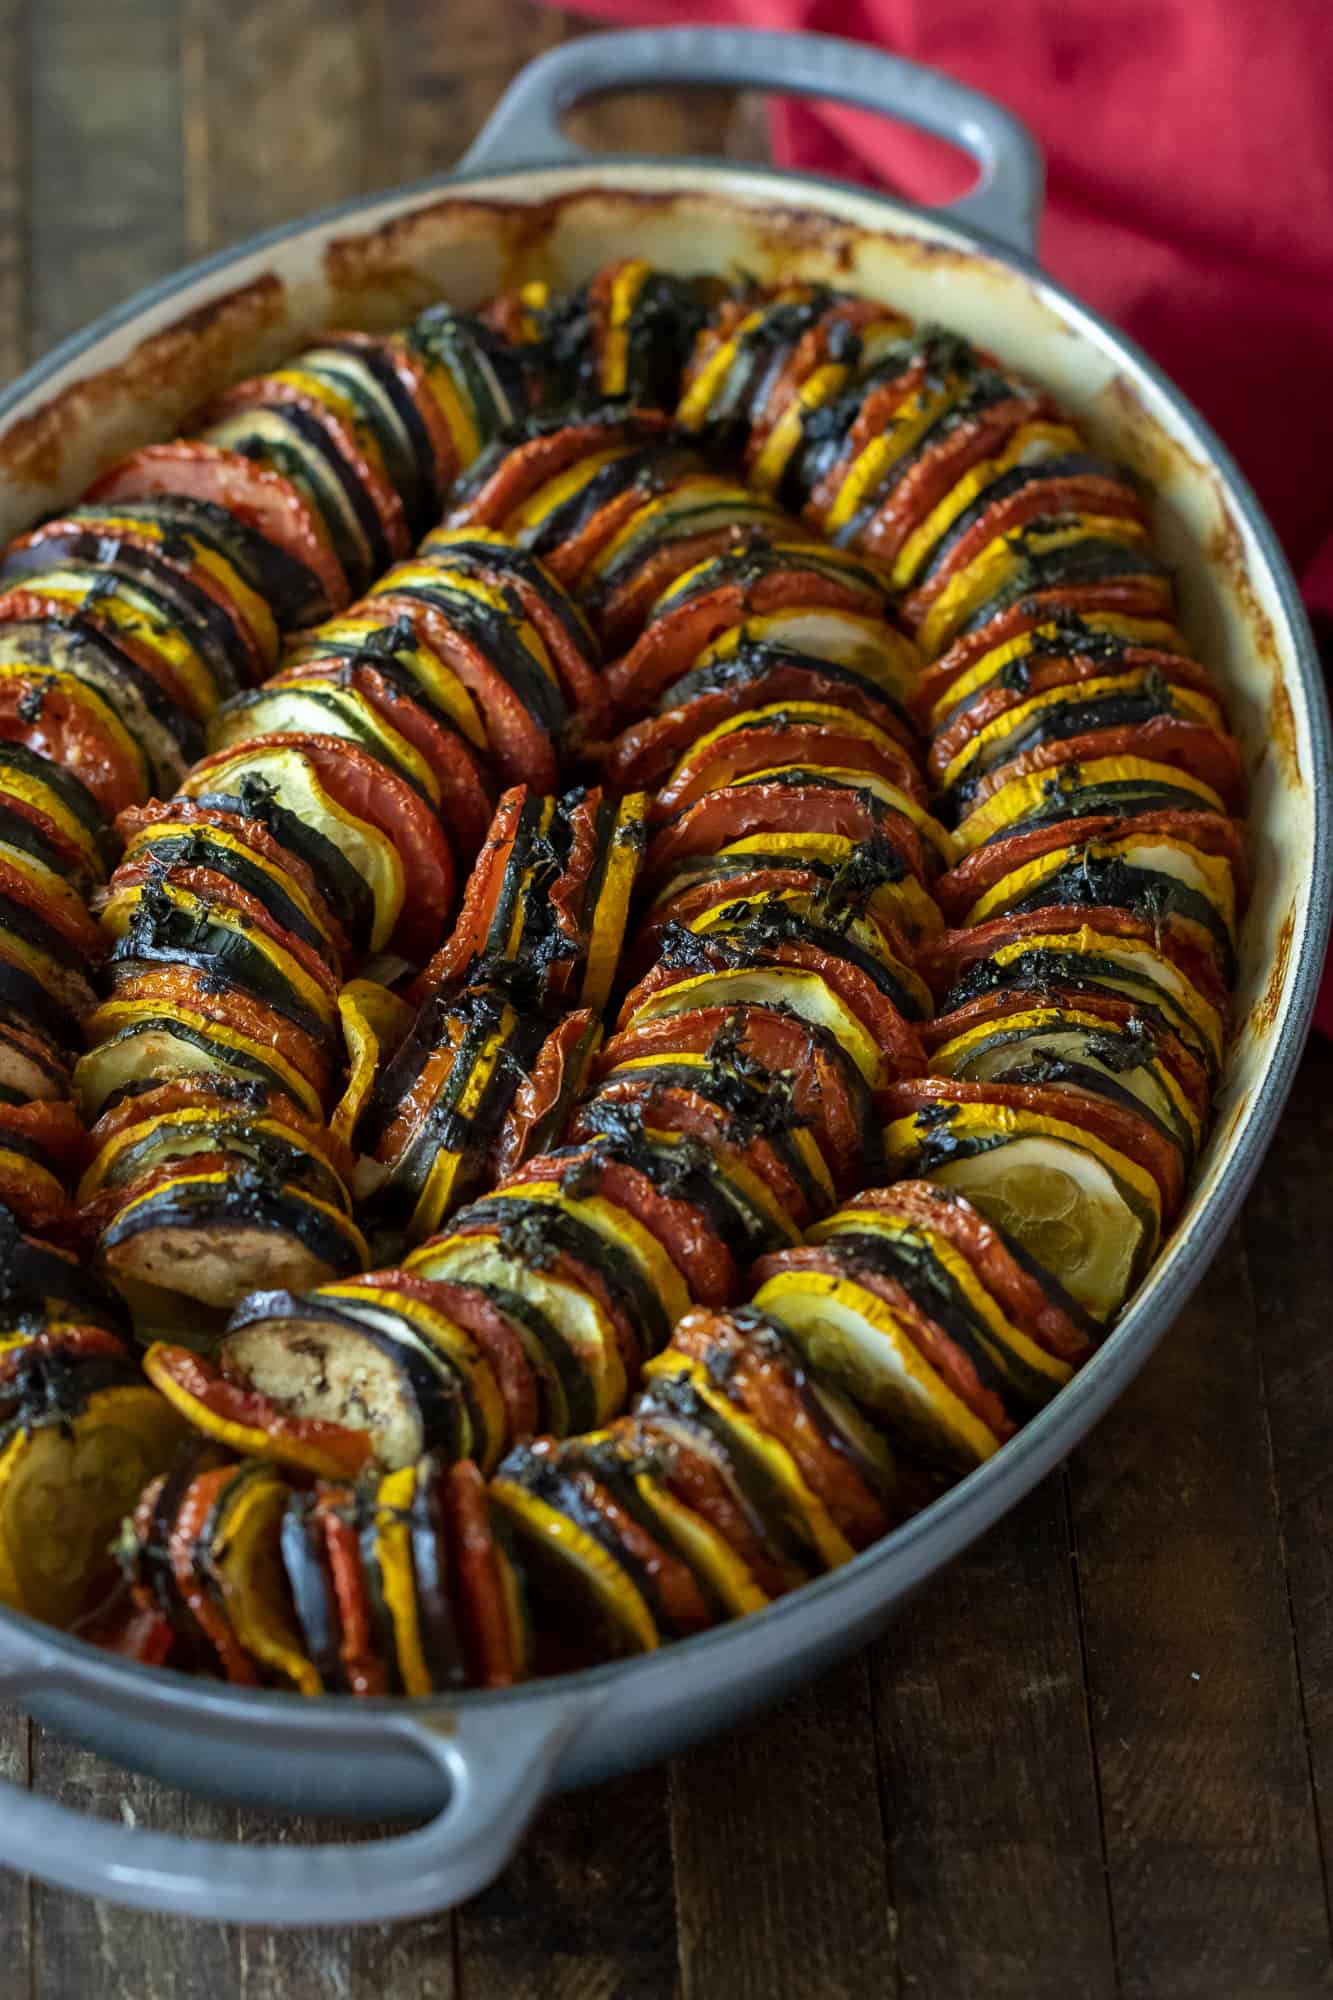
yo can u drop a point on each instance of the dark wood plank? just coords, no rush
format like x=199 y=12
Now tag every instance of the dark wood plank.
x=1290 y=1250
x=781 y=1869
x=14 y=137
x=1212 y=1849
x=989 y=1788
x=16 y=1890
x=585 y=1911
x=82 y=1946
x=281 y=110
x=444 y=69
x=107 y=209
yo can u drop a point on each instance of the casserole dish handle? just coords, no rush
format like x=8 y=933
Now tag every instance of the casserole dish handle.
x=496 y=1764
x=524 y=129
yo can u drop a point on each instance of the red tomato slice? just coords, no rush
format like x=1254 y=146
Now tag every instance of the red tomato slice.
x=775 y=1396
x=1041 y=672
x=361 y=784
x=1209 y=832
x=67 y=918
x=937 y=471
x=168 y=986
x=1087 y=493
x=195 y=573
x=249 y=1422
x=520 y=747
x=474 y=1566
x=478 y=1315
x=1166 y=739
x=365 y=1671
x=57 y=725
x=683 y=1230
x=184 y=1092
x=528 y=465
x=213 y=888
x=760 y=748
x=1069 y=1334
x=260 y=499
x=1130 y=1132
x=676 y=637
x=675 y=1108
x=466 y=800
x=944 y=960
x=189 y=812
x=827 y=1088
x=1112 y=1008
x=200 y=1498
x=258 y=390
x=723 y=817
x=1131 y=596
x=542 y=1089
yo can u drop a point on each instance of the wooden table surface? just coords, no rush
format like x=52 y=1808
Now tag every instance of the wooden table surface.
x=1096 y=1756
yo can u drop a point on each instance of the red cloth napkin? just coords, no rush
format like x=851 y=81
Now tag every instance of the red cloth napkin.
x=1189 y=157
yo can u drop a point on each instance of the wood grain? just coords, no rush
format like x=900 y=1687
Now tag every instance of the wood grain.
x=13 y=189
x=586 y=1910
x=281 y=111
x=106 y=204
x=1211 y=1841
x=781 y=1869
x=1290 y=1250
x=989 y=1787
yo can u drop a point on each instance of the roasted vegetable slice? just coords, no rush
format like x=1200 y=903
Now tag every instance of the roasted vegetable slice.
x=67 y=1478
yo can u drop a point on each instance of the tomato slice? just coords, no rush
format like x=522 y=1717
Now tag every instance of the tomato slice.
x=251 y=1423
x=214 y=889
x=365 y=1671
x=520 y=745
x=474 y=1563
x=896 y=1038
x=188 y=812
x=742 y=751
x=1041 y=671
x=1117 y=1125
x=1129 y=596
x=827 y=1089
x=683 y=1229
x=944 y=960
x=196 y=1506
x=260 y=499
x=676 y=637
x=56 y=723
x=357 y=781
x=259 y=390
x=781 y=807
x=478 y=1315
x=1060 y=1328
x=1089 y=493
x=938 y=469
x=1189 y=746
x=466 y=800
x=170 y=986
x=1209 y=832
x=503 y=478
x=555 y=1077
x=763 y=1384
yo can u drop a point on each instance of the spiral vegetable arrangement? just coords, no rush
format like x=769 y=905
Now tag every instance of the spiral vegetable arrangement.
x=810 y=1068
